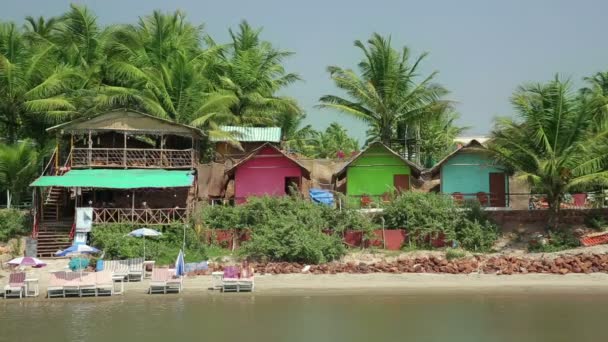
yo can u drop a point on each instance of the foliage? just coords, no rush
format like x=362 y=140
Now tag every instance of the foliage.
x=428 y=216
x=557 y=143
x=287 y=228
x=18 y=167
x=556 y=241
x=437 y=136
x=113 y=240
x=387 y=93
x=321 y=144
x=596 y=221
x=454 y=253
x=13 y=223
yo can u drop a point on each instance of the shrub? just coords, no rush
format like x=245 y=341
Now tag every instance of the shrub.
x=12 y=223
x=454 y=253
x=556 y=241
x=112 y=239
x=424 y=215
x=285 y=239
x=595 y=221
x=428 y=215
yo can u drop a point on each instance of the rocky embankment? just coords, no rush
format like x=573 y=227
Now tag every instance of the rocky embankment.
x=500 y=265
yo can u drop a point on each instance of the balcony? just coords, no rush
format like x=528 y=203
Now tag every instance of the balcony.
x=140 y=216
x=133 y=158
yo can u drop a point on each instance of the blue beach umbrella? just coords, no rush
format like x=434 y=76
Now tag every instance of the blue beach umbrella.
x=180 y=265
x=77 y=250
x=142 y=233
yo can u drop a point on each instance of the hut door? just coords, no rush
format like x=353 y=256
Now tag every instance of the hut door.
x=290 y=183
x=401 y=182
x=497 y=189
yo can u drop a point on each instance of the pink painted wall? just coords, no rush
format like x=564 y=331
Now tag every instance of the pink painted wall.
x=264 y=174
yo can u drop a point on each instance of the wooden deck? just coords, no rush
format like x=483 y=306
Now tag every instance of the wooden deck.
x=140 y=216
x=133 y=158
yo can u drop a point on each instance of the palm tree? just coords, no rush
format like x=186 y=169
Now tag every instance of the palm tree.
x=595 y=97
x=333 y=141
x=554 y=144
x=252 y=73
x=159 y=67
x=437 y=136
x=386 y=94
x=18 y=167
x=34 y=87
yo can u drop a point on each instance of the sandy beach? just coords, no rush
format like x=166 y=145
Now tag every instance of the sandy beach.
x=376 y=282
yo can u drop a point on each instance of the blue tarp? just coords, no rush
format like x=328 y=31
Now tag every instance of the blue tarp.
x=321 y=196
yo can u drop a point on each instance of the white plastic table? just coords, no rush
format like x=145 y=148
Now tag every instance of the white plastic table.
x=31 y=287
x=216 y=277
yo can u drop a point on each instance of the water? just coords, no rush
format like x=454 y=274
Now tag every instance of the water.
x=309 y=317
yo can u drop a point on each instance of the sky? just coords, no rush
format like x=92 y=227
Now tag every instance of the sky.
x=482 y=49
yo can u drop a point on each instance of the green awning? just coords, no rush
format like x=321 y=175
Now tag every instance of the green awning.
x=118 y=179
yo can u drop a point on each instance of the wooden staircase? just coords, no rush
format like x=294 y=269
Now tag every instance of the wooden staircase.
x=54 y=232
x=54 y=236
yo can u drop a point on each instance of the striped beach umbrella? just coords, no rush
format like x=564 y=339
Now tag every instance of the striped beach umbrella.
x=27 y=261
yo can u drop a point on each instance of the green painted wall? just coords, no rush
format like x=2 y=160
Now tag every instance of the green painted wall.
x=372 y=173
x=469 y=173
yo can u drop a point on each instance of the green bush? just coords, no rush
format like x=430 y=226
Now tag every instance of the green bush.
x=429 y=215
x=454 y=253
x=556 y=241
x=113 y=240
x=12 y=223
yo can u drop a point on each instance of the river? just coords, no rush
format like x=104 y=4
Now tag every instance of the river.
x=310 y=317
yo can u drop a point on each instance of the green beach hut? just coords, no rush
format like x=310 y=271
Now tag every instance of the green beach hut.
x=374 y=173
x=470 y=173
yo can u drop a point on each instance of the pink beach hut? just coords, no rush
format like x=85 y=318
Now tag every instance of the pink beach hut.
x=266 y=171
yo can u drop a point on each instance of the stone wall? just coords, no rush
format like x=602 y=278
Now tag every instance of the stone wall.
x=512 y=219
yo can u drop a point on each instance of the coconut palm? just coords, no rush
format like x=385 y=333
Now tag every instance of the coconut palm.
x=34 y=87
x=595 y=97
x=334 y=141
x=18 y=167
x=437 y=136
x=158 y=67
x=554 y=142
x=252 y=74
x=387 y=92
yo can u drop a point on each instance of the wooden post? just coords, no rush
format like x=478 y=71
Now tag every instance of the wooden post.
x=90 y=154
x=162 y=147
x=124 y=151
x=192 y=153
x=57 y=138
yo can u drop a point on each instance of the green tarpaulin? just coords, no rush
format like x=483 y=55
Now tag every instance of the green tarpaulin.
x=118 y=179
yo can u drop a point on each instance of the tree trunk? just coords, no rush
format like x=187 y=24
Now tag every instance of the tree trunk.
x=554 y=206
x=8 y=199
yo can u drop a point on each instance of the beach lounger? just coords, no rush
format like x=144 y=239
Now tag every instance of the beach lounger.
x=71 y=287
x=174 y=284
x=233 y=282
x=118 y=268
x=56 y=284
x=136 y=269
x=15 y=286
x=87 y=284
x=164 y=281
x=104 y=284
x=158 y=280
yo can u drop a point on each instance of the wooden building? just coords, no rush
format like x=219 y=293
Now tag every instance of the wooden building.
x=125 y=166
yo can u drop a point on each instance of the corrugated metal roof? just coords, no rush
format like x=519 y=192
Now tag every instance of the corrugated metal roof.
x=252 y=134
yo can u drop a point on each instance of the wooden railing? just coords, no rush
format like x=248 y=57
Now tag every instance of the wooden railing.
x=133 y=157
x=140 y=216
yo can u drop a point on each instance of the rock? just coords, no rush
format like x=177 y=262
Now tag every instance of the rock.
x=563 y=271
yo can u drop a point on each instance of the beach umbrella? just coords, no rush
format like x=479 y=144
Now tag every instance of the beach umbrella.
x=142 y=233
x=180 y=265
x=27 y=261
x=77 y=250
